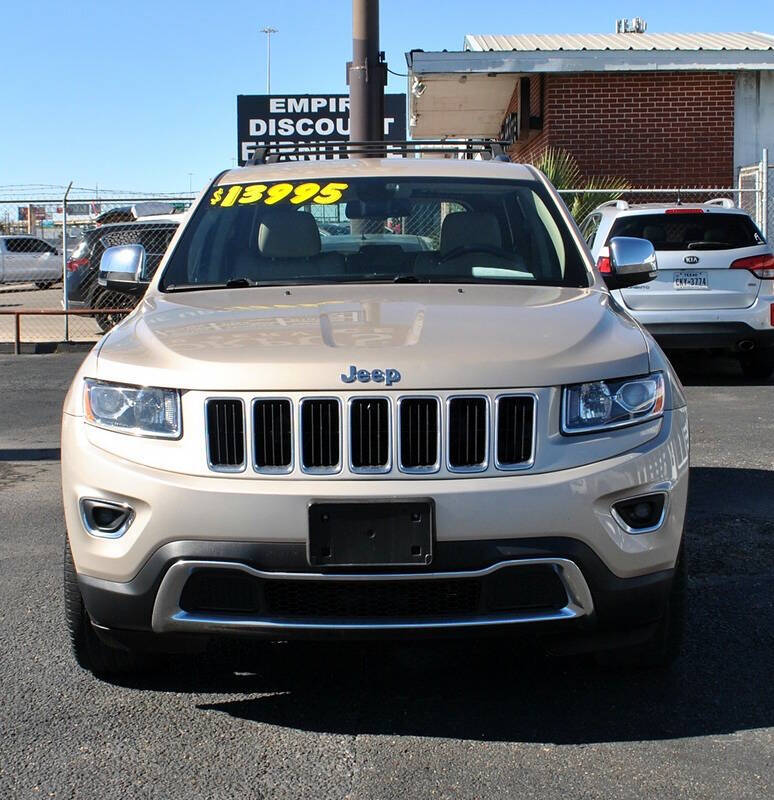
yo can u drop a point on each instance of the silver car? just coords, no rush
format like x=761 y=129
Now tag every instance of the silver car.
x=450 y=428
x=27 y=259
x=715 y=283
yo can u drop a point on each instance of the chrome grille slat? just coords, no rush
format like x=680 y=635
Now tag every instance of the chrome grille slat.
x=468 y=433
x=320 y=434
x=515 y=431
x=272 y=435
x=225 y=427
x=419 y=434
x=369 y=434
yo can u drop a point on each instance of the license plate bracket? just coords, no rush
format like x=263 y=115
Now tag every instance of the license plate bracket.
x=371 y=534
x=690 y=279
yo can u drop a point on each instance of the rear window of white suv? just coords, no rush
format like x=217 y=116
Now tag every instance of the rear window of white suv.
x=686 y=229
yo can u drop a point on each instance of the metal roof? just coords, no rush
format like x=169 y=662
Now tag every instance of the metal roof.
x=620 y=41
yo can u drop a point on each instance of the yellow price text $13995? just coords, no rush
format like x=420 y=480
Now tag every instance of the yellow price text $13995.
x=294 y=193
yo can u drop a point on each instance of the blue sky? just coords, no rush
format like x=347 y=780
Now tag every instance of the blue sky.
x=134 y=96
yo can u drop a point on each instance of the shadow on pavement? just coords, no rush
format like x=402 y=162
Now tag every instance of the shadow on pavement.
x=697 y=368
x=499 y=690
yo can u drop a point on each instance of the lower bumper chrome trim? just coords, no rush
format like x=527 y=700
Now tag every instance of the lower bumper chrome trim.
x=169 y=616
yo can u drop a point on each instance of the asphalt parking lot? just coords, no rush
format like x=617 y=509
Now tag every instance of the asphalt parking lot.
x=464 y=720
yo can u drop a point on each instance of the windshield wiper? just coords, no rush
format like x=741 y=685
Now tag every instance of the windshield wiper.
x=708 y=245
x=231 y=283
x=239 y=283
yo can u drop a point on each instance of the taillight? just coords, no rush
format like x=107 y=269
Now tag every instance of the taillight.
x=684 y=211
x=76 y=263
x=604 y=266
x=760 y=266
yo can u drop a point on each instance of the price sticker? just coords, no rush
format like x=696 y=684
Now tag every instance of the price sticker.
x=271 y=194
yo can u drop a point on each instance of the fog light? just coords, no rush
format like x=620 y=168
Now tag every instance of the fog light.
x=641 y=514
x=106 y=519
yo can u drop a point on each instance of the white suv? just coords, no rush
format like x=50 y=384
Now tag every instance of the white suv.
x=715 y=282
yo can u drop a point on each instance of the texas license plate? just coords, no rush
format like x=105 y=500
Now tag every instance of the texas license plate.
x=691 y=280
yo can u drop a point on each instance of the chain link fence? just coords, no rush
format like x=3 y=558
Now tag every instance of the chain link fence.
x=50 y=248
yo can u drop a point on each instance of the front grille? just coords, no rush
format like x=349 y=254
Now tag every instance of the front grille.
x=226 y=434
x=369 y=430
x=272 y=429
x=320 y=434
x=515 y=421
x=468 y=432
x=221 y=591
x=482 y=433
x=419 y=433
x=342 y=599
x=509 y=589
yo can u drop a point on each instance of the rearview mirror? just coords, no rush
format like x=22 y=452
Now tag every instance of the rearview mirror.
x=632 y=261
x=123 y=269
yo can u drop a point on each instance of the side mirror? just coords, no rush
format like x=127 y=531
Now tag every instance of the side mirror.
x=123 y=269
x=632 y=262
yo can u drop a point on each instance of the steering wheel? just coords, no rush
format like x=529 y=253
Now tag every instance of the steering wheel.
x=476 y=248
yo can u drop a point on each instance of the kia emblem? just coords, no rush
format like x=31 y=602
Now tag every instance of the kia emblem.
x=691 y=259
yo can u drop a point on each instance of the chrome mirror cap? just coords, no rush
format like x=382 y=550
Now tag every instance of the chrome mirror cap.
x=123 y=268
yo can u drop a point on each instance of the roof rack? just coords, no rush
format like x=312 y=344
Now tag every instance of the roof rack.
x=621 y=205
x=723 y=202
x=486 y=148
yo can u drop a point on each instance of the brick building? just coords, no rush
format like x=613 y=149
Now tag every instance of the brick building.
x=658 y=109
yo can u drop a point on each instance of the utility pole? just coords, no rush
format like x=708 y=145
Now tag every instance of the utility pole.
x=367 y=76
x=268 y=31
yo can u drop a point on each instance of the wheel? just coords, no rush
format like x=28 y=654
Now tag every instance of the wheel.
x=90 y=651
x=44 y=284
x=664 y=644
x=758 y=365
x=105 y=299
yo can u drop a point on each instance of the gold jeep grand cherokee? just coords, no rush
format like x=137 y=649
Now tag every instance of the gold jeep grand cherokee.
x=375 y=396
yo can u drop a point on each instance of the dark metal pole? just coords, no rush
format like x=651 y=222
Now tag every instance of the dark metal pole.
x=367 y=74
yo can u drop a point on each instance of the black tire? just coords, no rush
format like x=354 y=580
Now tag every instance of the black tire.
x=105 y=299
x=44 y=284
x=663 y=647
x=758 y=365
x=89 y=650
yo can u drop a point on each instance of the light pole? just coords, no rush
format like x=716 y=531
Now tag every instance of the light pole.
x=190 y=176
x=268 y=31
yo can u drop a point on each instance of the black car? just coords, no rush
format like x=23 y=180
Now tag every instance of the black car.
x=83 y=289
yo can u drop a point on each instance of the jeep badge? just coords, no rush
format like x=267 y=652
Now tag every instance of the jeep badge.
x=385 y=376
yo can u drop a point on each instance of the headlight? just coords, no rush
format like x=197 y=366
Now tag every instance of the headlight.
x=138 y=410
x=612 y=404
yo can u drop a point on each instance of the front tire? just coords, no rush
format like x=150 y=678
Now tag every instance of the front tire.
x=758 y=365
x=105 y=299
x=89 y=650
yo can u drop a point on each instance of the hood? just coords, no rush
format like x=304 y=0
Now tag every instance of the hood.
x=436 y=336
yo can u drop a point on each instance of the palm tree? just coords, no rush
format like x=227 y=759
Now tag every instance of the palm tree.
x=561 y=168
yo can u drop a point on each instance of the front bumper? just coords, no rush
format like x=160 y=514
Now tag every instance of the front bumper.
x=597 y=600
x=562 y=519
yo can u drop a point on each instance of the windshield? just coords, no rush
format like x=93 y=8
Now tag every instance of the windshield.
x=690 y=230
x=376 y=229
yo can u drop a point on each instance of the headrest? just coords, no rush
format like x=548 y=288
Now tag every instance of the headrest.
x=653 y=233
x=470 y=228
x=288 y=234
